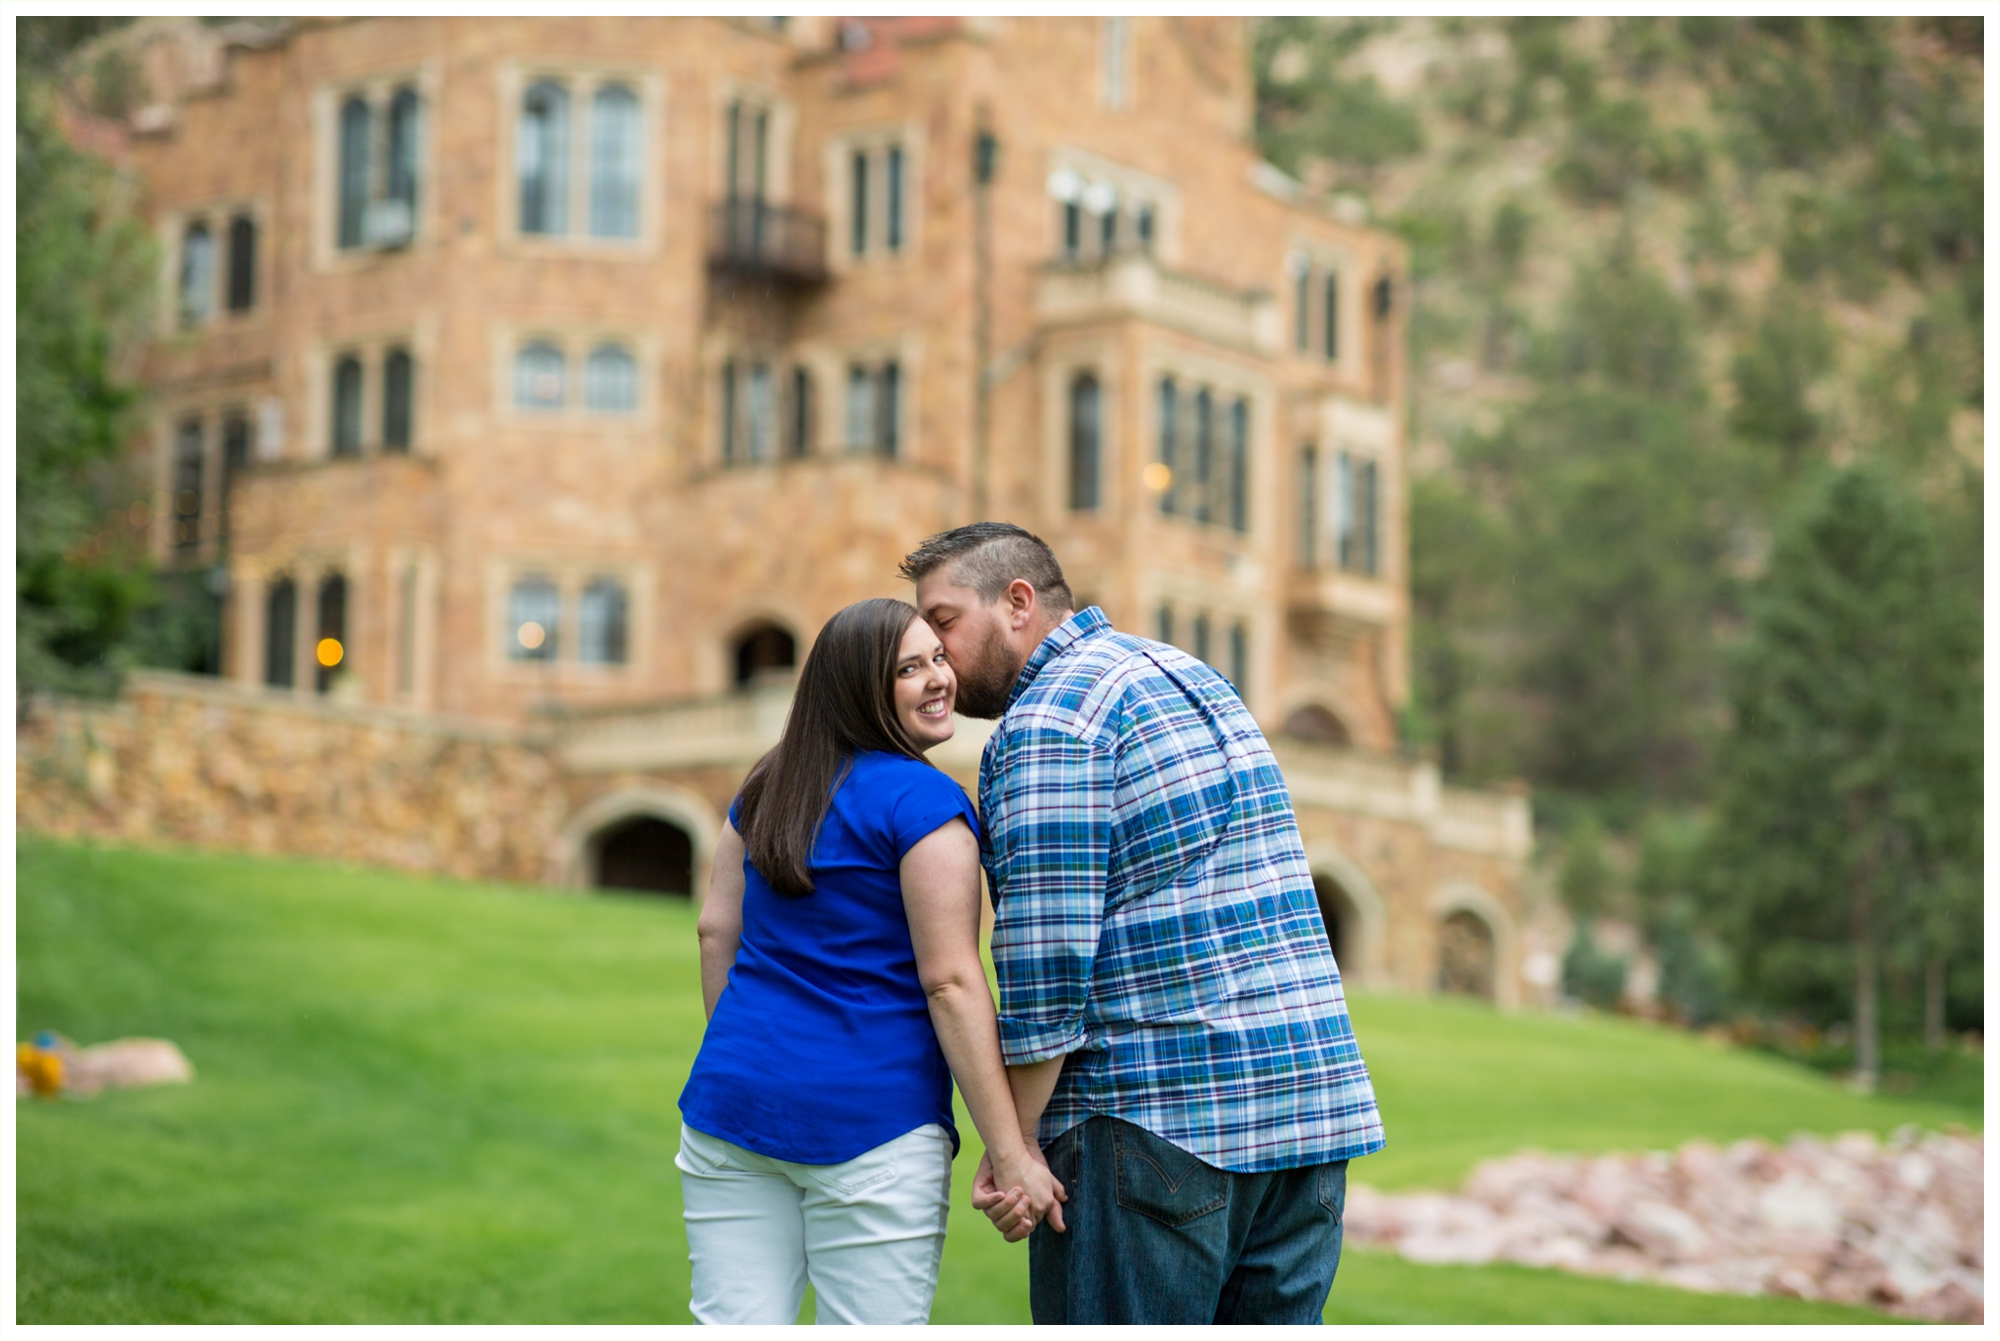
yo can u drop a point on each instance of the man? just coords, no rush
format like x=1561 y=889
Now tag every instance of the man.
x=1171 y=1016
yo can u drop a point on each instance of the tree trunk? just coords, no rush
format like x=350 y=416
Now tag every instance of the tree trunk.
x=1867 y=1024
x=1934 y=1004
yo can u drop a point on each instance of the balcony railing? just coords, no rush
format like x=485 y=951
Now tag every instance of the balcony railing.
x=751 y=237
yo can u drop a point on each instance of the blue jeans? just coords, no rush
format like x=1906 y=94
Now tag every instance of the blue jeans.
x=1157 y=1236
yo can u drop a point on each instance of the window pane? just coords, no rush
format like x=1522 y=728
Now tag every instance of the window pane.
x=860 y=409
x=727 y=413
x=1204 y=453
x=1085 y=428
x=1142 y=224
x=610 y=380
x=1239 y=465
x=1301 y=298
x=1368 y=517
x=187 y=484
x=802 y=412
x=1343 y=510
x=1309 y=507
x=760 y=414
x=858 y=204
x=614 y=162
x=893 y=214
x=1165 y=623
x=1169 y=440
x=235 y=456
x=542 y=161
x=405 y=112
x=1239 y=660
x=347 y=407
x=1332 y=318
x=354 y=135
x=332 y=624
x=280 y=632
x=600 y=623
x=398 y=387
x=533 y=610
x=1200 y=648
x=242 y=263
x=538 y=377
x=891 y=408
x=1072 y=228
x=1107 y=229
x=197 y=274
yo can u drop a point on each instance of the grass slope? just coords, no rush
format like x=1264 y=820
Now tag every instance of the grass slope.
x=424 y=1101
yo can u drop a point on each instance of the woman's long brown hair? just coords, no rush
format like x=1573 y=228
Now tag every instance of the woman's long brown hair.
x=845 y=703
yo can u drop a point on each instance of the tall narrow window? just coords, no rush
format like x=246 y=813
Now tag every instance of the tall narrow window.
x=1309 y=507
x=197 y=274
x=347 y=406
x=892 y=213
x=1301 y=304
x=799 y=437
x=1239 y=465
x=1332 y=316
x=187 y=484
x=1107 y=228
x=242 y=263
x=534 y=609
x=858 y=203
x=1200 y=648
x=610 y=380
x=760 y=418
x=600 y=623
x=1384 y=297
x=406 y=641
x=614 y=162
x=538 y=376
x=399 y=376
x=235 y=456
x=1369 y=514
x=726 y=412
x=890 y=409
x=1116 y=35
x=749 y=129
x=405 y=111
x=1142 y=224
x=1347 y=552
x=1169 y=439
x=542 y=159
x=1072 y=228
x=1085 y=441
x=1164 y=623
x=330 y=648
x=281 y=612
x=1239 y=659
x=860 y=409
x=1204 y=453
x=356 y=130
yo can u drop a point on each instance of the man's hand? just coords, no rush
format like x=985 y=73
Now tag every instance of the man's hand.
x=1013 y=1210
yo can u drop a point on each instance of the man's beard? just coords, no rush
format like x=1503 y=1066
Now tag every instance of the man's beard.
x=983 y=684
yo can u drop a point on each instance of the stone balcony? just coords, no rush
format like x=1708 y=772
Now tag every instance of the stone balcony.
x=1135 y=284
x=1328 y=607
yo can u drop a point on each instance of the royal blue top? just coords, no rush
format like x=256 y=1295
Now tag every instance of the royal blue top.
x=821 y=1046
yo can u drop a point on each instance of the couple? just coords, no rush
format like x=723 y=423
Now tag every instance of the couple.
x=1170 y=1090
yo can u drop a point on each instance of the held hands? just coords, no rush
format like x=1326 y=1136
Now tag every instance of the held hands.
x=1031 y=1193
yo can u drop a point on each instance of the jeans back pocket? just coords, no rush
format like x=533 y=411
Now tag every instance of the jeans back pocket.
x=1160 y=1180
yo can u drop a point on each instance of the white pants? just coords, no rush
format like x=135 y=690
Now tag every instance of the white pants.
x=868 y=1233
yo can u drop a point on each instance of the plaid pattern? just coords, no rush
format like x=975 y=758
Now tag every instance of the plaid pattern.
x=1154 y=915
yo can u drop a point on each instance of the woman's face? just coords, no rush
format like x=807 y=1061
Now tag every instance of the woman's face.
x=925 y=687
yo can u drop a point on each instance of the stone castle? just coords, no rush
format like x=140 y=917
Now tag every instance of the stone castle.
x=532 y=389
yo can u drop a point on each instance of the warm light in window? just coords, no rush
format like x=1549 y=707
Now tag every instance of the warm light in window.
x=1158 y=475
x=330 y=651
x=531 y=635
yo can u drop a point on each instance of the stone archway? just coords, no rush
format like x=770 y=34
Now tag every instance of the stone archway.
x=1478 y=946
x=658 y=839
x=1352 y=908
x=644 y=854
x=762 y=651
x=1319 y=724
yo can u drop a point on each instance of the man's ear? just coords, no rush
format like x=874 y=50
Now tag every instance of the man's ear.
x=1020 y=603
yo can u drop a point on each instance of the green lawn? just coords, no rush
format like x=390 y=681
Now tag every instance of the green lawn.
x=426 y=1101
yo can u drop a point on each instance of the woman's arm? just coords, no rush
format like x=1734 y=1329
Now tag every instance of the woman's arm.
x=941 y=898
x=720 y=926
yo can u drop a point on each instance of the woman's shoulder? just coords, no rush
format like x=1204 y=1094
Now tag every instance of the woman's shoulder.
x=899 y=775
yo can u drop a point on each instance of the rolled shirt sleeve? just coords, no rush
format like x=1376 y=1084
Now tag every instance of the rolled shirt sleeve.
x=1047 y=803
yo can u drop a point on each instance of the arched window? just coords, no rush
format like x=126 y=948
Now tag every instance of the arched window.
x=1086 y=413
x=405 y=110
x=542 y=159
x=1239 y=465
x=355 y=131
x=614 y=162
x=538 y=376
x=197 y=274
x=281 y=608
x=398 y=390
x=347 y=406
x=242 y=263
x=1318 y=725
x=764 y=650
x=534 y=610
x=600 y=623
x=1204 y=453
x=330 y=648
x=610 y=380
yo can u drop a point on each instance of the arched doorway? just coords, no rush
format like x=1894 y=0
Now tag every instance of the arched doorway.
x=1466 y=956
x=644 y=853
x=1343 y=922
x=764 y=651
x=1318 y=725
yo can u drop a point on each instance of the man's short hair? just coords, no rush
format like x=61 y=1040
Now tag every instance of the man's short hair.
x=988 y=556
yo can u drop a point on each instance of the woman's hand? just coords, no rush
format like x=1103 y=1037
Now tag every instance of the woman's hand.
x=1018 y=1192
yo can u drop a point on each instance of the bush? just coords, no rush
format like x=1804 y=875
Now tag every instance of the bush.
x=1590 y=975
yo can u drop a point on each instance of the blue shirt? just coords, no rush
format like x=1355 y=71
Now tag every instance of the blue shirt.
x=821 y=1047
x=1154 y=913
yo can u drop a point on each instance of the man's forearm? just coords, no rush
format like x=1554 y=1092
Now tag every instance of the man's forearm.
x=1032 y=1084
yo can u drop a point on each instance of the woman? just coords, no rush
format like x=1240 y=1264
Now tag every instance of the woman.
x=840 y=968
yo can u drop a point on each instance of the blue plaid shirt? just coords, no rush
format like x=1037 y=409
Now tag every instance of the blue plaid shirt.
x=1154 y=916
